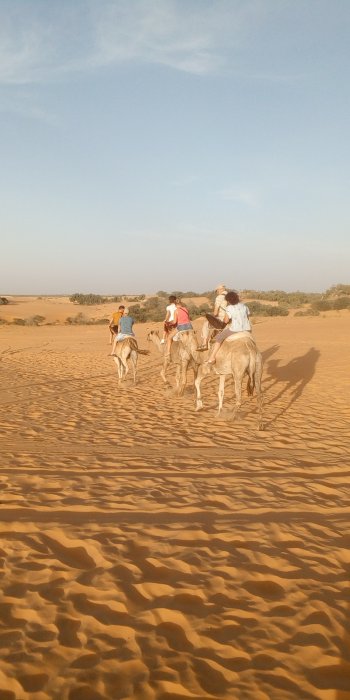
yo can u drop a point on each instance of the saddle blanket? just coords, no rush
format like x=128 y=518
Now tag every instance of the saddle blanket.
x=237 y=336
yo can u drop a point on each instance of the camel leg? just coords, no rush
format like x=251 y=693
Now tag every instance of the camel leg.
x=182 y=378
x=197 y=386
x=124 y=366
x=178 y=378
x=121 y=370
x=221 y=392
x=117 y=362
x=238 y=392
x=259 y=394
x=164 y=370
x=203 y=371
x=133 y=358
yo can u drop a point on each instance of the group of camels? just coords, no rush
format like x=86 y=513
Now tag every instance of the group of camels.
x=238 y=356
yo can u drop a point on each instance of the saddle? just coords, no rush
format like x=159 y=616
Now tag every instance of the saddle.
x=215 y=322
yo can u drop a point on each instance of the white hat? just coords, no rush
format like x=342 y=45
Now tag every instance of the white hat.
x=220 y=286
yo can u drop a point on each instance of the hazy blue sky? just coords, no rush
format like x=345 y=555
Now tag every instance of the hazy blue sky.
x=161 y=144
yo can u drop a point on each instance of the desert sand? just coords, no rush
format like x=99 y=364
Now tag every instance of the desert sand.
x=150 y=552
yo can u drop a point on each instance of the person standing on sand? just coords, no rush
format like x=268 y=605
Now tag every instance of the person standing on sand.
x=237 y=316
x=125 y=330
x=182 y=321
x=169 y=322
x=114 y=323
x=220 y=305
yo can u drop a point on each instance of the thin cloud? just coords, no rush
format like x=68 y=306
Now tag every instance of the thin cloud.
x=42 y=41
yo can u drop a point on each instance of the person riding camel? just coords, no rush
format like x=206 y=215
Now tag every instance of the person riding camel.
x=125 y=330
x=113 y=324
x=169 y=322
x=237 y=317
x=182 y=321
x=220 y=305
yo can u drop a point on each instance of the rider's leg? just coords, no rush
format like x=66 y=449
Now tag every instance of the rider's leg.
x=216 y=345
x=205 y=335
x=168 y=342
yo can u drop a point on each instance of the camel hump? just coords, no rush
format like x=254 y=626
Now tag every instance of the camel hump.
x=237 y=336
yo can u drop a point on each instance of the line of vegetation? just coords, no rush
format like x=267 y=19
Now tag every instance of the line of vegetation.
x=338 y=290
x=82 y=320
x=94 y=299
x=153 y=309
x=332 y=304
x=290 y=299
x=257 y=309
x=91 y=299
x=36 y=320
x=307 y=312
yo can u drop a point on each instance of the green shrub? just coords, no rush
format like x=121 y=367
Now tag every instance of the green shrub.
x=337 y=290
x=88 y=299
x=139 y=297
x=19 y=322
x=341 y=303
x=291 y=299
x=80 y=320
x=307 y=312
x=321 y=305
x=257 y=309
x=139 y=314
x=34 y=320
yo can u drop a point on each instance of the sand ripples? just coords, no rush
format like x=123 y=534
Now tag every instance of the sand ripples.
x=151 y=552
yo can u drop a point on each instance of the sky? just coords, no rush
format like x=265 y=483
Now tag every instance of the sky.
x=174 y=144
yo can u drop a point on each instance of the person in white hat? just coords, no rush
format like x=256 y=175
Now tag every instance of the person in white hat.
x=219 y=312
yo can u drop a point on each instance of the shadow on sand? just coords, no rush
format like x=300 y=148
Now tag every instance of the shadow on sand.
x=292 y=377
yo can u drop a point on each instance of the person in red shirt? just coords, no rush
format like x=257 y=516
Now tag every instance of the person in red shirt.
x=183 y=323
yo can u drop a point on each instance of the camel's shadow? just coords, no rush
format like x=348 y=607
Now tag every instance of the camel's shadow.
x=293 y=377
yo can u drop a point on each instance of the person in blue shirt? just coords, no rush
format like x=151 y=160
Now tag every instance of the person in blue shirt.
x=125 y=329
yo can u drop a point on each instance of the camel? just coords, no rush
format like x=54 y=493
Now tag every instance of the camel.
x=125 y=350
x=238 y=356
x=179 y=356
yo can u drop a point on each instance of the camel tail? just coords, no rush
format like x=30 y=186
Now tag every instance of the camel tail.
x=133 y=346
x=251 y=375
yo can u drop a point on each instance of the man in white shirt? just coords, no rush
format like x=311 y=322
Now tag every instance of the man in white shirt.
x=219 y=312
x=169 y=324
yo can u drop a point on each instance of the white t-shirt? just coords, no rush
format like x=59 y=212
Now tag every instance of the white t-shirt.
x=238 y=314
x=171 y=308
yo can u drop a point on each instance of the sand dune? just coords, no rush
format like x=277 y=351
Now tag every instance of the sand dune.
x=151 y=552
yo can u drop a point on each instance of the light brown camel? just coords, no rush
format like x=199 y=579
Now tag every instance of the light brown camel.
x=179 y=356
x=126 y=350
x=238 y=356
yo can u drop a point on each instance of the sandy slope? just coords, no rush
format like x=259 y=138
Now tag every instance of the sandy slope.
x=151 y=552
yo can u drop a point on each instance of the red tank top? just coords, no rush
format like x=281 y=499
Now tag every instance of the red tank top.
x=182 y=315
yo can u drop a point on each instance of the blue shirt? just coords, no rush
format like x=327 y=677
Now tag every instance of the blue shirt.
x=126 y=323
